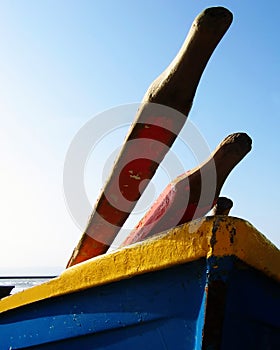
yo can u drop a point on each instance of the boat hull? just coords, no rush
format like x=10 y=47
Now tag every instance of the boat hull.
x=215 y=301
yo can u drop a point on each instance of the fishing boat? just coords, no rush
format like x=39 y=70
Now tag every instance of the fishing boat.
x=212 y=283
x=208 y=283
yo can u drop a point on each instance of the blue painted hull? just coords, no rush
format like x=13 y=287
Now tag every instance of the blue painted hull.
x=216 y=303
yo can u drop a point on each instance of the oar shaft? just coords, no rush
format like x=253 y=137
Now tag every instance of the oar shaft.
x=184 y=198
x=139 y=159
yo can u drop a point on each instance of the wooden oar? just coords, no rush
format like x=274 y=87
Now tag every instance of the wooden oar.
x=139 y=157
x=184 y=198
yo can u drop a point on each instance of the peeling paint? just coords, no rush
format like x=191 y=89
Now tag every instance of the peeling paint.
x=174 y=247
x=213 y=239
x=136 y=177
x=232 y=234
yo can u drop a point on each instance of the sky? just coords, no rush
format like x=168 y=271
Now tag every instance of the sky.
x=65 y=62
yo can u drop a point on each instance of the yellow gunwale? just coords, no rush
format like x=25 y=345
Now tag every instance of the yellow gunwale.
x=205 y=237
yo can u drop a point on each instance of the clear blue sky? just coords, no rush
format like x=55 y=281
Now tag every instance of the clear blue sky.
x=63 y=62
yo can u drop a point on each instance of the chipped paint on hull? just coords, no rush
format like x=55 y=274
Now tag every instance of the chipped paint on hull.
x=197 y=239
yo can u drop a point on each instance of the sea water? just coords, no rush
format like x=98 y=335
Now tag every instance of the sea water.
x=24 y=282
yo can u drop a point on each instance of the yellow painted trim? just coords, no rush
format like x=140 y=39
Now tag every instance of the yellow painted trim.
x=210 y=236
